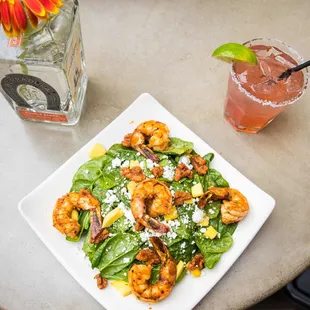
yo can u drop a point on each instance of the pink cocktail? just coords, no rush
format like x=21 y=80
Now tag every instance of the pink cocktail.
x=255 y=96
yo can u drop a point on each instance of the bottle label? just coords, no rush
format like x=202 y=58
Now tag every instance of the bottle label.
x=74 y=65
x=41 y=116
x=11 y=82
x=10 y=85
x=15 y=42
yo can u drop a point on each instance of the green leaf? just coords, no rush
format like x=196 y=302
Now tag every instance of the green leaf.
x=119 y=264
x=209 y=157
x=106 y=181
x=121 y=275
x=155 y=274
x=84 y=221
x=187 y=226
x=80 y=184
x=211 y=259
x=217 y=245
x=214 y=222
x=182 y=275
x=91 y=170
x=89 y=248
x=227 y=228
x=208 y=182
x=122 y=152
x=185 y=186
x=183 y=250
x=98 y=254
x=178 y=147
x=213 y=209
x=218 y=178
x=88 y=173
x=119 y=251
x=121 y=225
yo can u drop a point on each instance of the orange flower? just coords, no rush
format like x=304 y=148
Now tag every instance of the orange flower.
x=14 y=14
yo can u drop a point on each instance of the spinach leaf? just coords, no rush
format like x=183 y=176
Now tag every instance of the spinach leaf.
x=155 y=274
x=169 y=163
x=213 y=209
x=221 y=227
x=121 y=275
x=109 y=179
x=181 y=187
x=218 y=178
x=187 y=227
x=121 y=225
x=217 y=245
x=183 y=250
x=211 y=259
x=178 y=147
x=208 y=157
x=227 y=228
x=212 y=250
x=84 y=221
x=214 y=222
x=91 y=170
x=98 y=254
x=89 y=248
x=99 y=193
x=120 y=263
x=181 y=276
x=122 y=152
x=196 y=178
x=119 y=252
x=208 y=182
x=80 y=184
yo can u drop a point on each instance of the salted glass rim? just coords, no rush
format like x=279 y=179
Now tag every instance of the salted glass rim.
x=273 y=104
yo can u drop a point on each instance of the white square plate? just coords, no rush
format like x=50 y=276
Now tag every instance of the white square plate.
x=37 y=209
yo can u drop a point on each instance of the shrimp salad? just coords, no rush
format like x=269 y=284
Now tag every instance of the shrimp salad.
x=149 y=212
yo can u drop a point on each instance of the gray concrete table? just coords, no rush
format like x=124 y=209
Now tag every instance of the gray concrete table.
x=163 y=47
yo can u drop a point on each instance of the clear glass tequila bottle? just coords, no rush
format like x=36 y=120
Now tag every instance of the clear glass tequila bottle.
x=42 y=73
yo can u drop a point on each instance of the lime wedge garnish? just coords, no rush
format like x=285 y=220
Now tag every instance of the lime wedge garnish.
x=235 y=52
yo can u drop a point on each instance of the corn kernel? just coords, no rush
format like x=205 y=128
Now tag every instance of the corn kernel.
x=204 y=222
x=180 y=268
x=196 y=273
x=134 y=163
x=210 y=233
x=75 y=215
x=131 y=187
x=97 y=151
x=112 y=217
x=122 y=287
x=197 y=190
x=172 y=215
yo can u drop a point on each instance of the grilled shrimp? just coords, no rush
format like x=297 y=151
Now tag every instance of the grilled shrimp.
x=234 y=205
x=148 y=136
x=151 y=198
x=139 y=276
x=82 y=200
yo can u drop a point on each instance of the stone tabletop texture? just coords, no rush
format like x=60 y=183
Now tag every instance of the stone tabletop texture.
x=163 y=47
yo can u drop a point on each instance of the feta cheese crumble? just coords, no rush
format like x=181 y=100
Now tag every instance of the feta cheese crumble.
x=149 y=164
x=184 y=159
x=198 y=215
x=127 y=213
x=125 y=164
x=168 y=172
x=110 y=197
x=116 y=162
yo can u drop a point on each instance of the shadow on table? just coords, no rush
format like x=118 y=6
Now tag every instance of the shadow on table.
x=278 y=301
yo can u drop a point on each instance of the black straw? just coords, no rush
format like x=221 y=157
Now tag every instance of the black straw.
x=286 y=74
